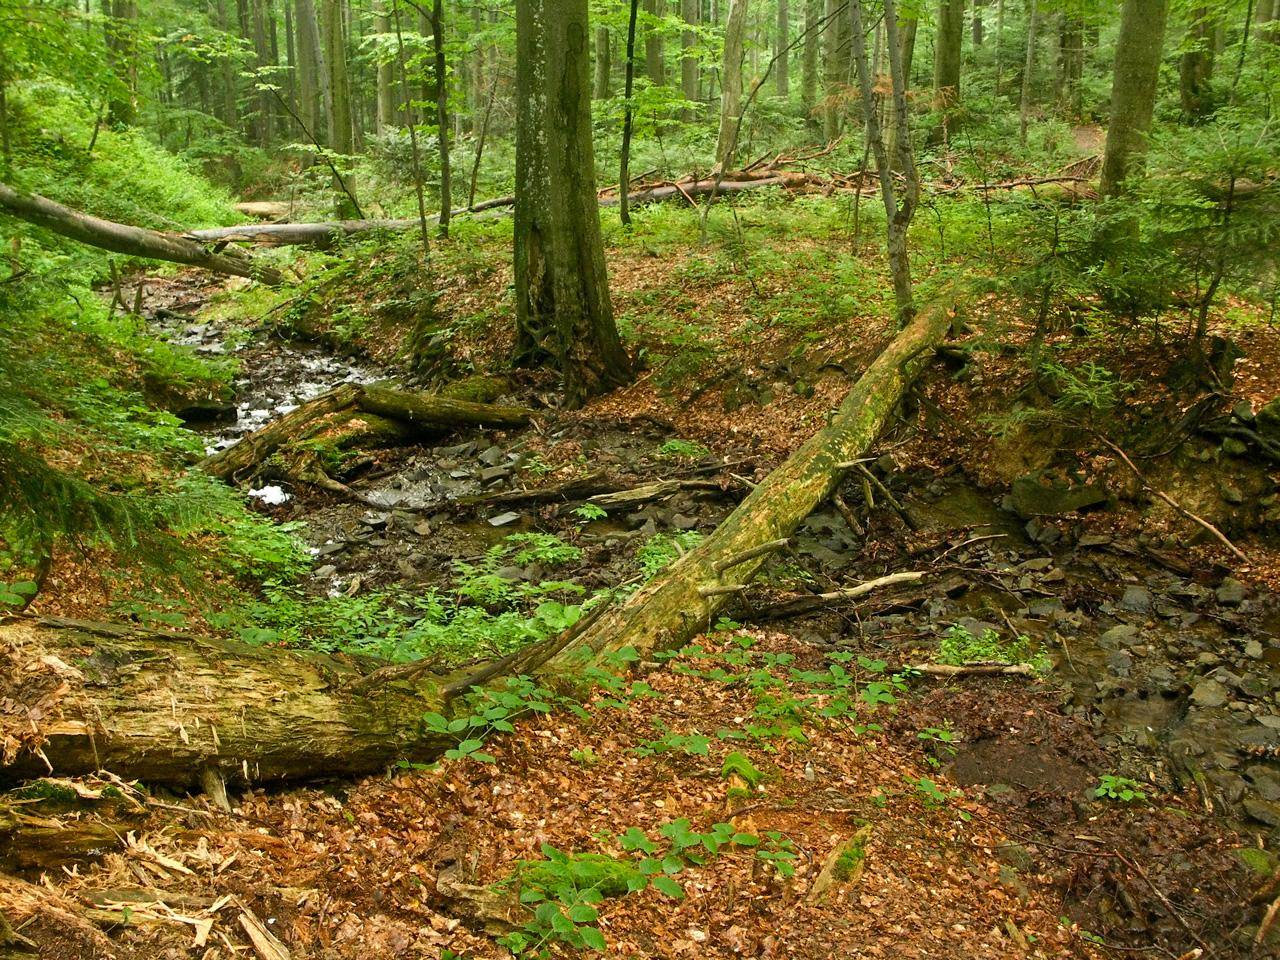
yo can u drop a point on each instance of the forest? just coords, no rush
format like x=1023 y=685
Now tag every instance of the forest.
x=639 y=478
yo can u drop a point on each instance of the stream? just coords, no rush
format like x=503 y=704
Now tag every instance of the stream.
x=1177 y=671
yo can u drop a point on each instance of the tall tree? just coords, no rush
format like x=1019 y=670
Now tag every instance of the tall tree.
x=809 y=59
x=735 y=35
x=834 y=74
x=341 y=129
x=782 y=64
x=690 y=13
x=1195 y=69
x=654 y=52
x=563 y=311
x=384 y=117
x=946 y=58
x=1028 y=72
x=628 y=114
x=601 y=91
x=442 y=112
x=122 y=57
x=897 y=213
x=261 y=60
x=1133 y=88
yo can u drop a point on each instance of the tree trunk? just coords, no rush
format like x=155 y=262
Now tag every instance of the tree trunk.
x=628 y=116
x=684 y=599
x=690 y=11
x=563 y=310
x=442 y=112
x=122 y=58
x=999 y=43
x=262 y=60
x=1196 y=66
x=735 y=32
x=978 y=34
x=603 y=64
x=126 y=239
x=341 y=131
x=1133 y=89
x=946 y=63
x=654 y=54
x=1024 y=104
x=809 y=60
x=782 y=59
x=833 y=73
x=906 y=46
x=166 y=708
x=310 y=68
x=897 y=214
x=228 y=113
x=1071 y=53
x=421 y=411
x=385 y=116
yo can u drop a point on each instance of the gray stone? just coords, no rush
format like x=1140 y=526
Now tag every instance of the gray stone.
x=1268 y=421
x=1209 y=693
x=1230 y=492
x=1015 y=855
x=1031 y=497
x=1264 y=811
x=1136 y=599
x=1124 y=634
x=492 y=456
x=502 y=519
x=1230 y=592
x=490 y=474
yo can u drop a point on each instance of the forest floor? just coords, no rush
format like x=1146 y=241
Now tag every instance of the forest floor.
x=929 y=817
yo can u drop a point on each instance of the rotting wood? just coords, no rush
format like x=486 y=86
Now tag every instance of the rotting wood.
x=421 y=411
x=805 y=604
x=671 y=608
x=130 y=240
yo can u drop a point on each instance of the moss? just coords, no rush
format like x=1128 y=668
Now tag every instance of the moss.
x=851 y=859
x=47 y=790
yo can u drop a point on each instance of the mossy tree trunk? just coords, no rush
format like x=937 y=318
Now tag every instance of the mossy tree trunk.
x=1133 y=89
x=735 y=35
x=341 y=130
x=946 y=57
x=690 y=13
x=1196 y=66
x=563 y=311
x=654 y=52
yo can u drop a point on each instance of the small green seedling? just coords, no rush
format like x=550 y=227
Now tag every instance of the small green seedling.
x=1121 y=789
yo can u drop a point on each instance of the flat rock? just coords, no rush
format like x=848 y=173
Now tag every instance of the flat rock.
x=1230 y=592
x=1209 y=693
x=502 y=519
x=1033 y=496
x=1136 y=599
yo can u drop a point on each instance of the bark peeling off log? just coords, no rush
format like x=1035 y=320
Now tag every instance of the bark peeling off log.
x=684 y=599
x=163 y=708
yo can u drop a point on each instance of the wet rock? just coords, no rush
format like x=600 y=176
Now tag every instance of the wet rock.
x=1265 y=781
x=330 y=548
x=1042 y=533
x=1234 y=447
x=1209 y=693
x=1267 y=421
x=683 y=522
x=502 y=519
x=1230 y=493
x=1253 y=649
x=1094 y=540
x=490 y=474
x=1264 y=811
x=1136 y=599
x=1230 y=592
x=1124 y=634
x=375 y=521
x=1033 y=496
x=328 y=570
x=1120 y=663
x=492 y=456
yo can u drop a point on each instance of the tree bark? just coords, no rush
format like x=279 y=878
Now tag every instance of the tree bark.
x=809 y=60
x=690 y=11
x=1024 y=104
x=421 y=411
x=129 y=240
x=946 y=63
x=122 y=57
x=165 y=708
x=782 y=60
x=310 y=67
x=341 y=130
x=1133 y=89
x=1196 y=66
x=442 y=113
x=685 y=598
x=563 y=310
x=654 y=52
x=834 y=77
x=628 y=116
x=601 y=91
x=731 y=83
x=385 y=116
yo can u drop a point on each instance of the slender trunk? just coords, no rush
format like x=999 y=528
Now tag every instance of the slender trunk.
x=229 y=113
x=414 y=151
x=906 y=46
x=624 y=170
x=341 y=138
x=809 y=59
x=1196 y=66
x=602 y=64
x=782 y=68
x=261 y=60
x=384 y=119
x=291 y=51
x=898 y=215
x=834 y=76
x=946 y=63
x=122 y=58
x=442 y=113
x=1024 y=106
x=731 y=83
x=978 y=35
x=563 y=310
x=1071 y=51
x=690 y=11
x=654 y=54
x=999 y=43
x=1133 y=90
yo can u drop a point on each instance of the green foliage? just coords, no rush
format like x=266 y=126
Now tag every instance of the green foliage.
x=684 y=449
x=663 y=549
x=737 y=764
x=958 y=647
x=1121 y=789
x=589 y=511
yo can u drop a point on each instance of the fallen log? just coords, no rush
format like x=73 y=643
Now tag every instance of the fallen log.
x=684 y=599
x=420 y=412
x=816 y=601
x=129 y=240
x=167 y=707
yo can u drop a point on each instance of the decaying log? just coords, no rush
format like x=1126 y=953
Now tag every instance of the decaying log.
x=129 y=240
x=164 y=707
x=419 y=412
x=676 y=605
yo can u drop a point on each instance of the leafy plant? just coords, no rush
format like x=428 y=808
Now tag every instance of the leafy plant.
x=959 y=646
x=685 y=449
x=663 y=549
x=589 y=511
x=1118 y=788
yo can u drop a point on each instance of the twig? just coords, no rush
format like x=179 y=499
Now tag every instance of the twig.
x=758 y=551
x=1137 y=868
x=898 y=508
x=975 y=669
x=1160 y=494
